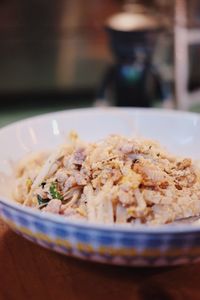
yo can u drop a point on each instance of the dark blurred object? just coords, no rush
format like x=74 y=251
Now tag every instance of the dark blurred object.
x=132 y=39
x=193 y=22
x=187 y=53
x=194 y=72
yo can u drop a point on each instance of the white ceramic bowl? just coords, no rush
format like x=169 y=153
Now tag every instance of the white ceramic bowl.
x=114 y=244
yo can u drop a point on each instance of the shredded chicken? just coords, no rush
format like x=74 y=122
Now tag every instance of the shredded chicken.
x=115 y=180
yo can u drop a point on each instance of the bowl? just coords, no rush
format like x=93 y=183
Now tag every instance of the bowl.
x=113 y=244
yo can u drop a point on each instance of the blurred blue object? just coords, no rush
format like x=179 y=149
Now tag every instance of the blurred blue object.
x=133 y=78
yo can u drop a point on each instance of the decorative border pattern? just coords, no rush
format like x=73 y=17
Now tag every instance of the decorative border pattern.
x=113 y=247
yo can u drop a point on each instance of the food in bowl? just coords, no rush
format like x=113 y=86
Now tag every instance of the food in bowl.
x=114 y=180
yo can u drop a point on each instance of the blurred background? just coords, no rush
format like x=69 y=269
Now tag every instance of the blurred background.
x=59 y=54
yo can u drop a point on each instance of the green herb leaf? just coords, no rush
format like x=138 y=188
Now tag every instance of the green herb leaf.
x=54 y=192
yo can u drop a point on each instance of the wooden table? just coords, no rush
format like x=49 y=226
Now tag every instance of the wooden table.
x=28 y=271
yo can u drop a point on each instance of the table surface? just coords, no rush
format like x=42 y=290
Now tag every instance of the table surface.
x=28 y=271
